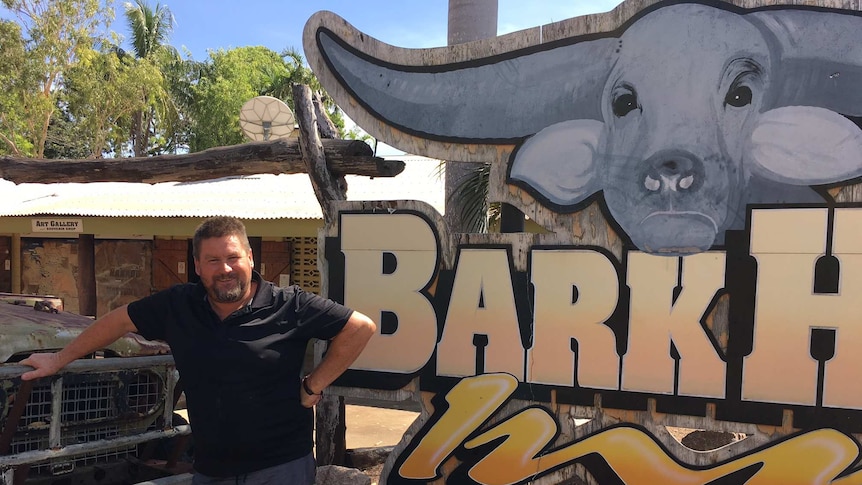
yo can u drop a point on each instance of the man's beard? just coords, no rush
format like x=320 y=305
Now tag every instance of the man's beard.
x=222 y=294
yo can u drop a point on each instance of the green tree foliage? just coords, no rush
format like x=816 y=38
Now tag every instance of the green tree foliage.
x=53 y=33
x=14 y=79
x=181 y=77
x=71 y=92
x=300 y=74
x=66 y=138
x=151 y=28
x=103 y=96
x=230 y=78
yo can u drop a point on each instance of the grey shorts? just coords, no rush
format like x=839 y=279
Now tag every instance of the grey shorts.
x=300 y=472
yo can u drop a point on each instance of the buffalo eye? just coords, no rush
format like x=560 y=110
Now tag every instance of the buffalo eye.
x=738 y=97
x=624 y=103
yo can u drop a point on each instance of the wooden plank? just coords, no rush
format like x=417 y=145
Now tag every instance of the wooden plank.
x=343 y=157
x=169 y=257
x=276 y=261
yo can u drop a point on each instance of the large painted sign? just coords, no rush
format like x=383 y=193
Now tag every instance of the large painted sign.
x=695 y=167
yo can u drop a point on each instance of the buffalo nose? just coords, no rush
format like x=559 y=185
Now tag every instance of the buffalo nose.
x=672 y=171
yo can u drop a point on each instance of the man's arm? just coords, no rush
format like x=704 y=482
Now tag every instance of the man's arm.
x=99 y=335
x=343 y=350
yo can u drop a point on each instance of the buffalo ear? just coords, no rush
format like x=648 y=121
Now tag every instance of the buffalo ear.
x=559 y=164
x=803 y=145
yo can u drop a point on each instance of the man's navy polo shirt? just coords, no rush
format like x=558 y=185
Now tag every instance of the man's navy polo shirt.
x=241 y=375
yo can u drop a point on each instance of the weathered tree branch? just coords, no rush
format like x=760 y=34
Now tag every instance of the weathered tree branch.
x=325 y=183
x=343 y=157
x=324 y=124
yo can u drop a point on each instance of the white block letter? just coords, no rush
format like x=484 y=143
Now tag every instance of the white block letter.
x=657 y=321
x=787 y=244
x=365 y=239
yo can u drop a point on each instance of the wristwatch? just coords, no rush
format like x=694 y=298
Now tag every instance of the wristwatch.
x=307 y=388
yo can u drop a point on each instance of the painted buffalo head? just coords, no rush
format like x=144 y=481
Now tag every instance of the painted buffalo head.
x=678 y=119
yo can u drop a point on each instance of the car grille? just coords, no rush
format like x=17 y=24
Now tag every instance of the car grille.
x=81 y=402
x=94 y=407
x=40 y=441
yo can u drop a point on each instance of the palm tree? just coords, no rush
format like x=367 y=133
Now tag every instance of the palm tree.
x=294 y=71
x=150 y=28
x=476 y=213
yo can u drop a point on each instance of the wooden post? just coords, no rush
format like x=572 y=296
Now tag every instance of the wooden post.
x=16 y=263
x=330 y=425
x=326 y=187
x=6 y=264
x=330 y=431
x=87 y=303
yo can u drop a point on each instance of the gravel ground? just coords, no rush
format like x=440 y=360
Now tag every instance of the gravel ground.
x=374 y=473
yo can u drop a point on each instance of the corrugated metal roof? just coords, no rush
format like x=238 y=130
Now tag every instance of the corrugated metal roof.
x=265 y=196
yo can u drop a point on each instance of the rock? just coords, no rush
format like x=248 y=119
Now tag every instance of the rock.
x=339 y=475
x=364 y=458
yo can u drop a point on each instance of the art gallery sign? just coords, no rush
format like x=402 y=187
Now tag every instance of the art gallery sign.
x=49 y=224
x=695 y=166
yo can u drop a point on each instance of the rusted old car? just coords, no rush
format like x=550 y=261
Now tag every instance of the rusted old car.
x=90 y=423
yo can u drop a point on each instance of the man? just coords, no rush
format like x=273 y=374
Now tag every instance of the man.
x=239 y=343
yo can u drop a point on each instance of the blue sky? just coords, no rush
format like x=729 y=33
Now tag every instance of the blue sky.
x=203 y=25
x=277 y=24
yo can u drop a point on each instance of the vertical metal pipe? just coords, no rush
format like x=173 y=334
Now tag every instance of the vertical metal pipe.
x=56 y=410
x=170 y=384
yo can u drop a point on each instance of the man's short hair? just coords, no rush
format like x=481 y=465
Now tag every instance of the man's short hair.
x=220 y=226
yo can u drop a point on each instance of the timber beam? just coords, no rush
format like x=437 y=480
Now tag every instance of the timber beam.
x=343 y=157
